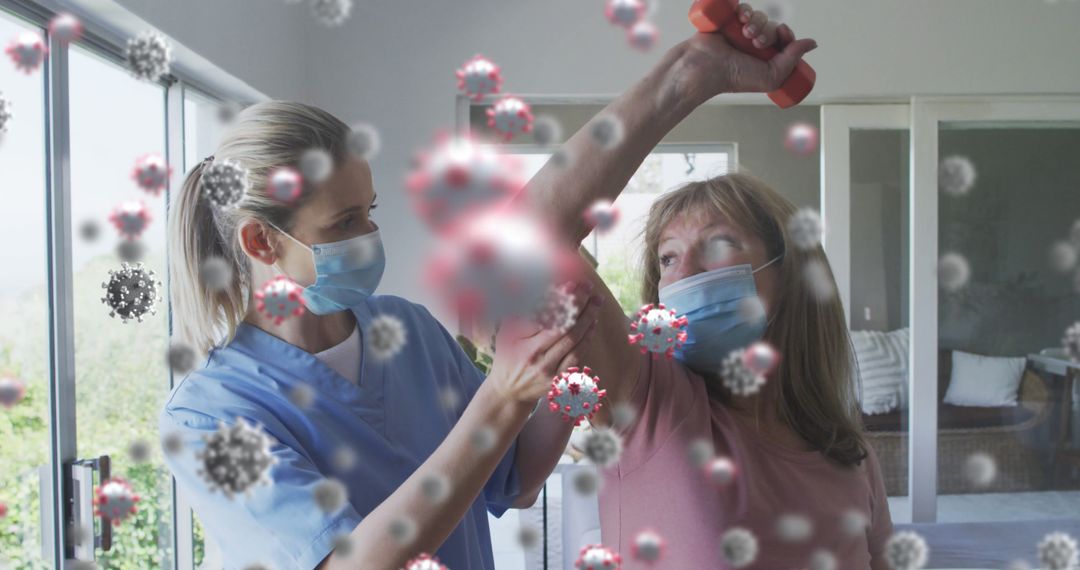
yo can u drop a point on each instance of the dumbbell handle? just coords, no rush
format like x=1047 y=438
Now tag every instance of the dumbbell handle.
x=721 y=15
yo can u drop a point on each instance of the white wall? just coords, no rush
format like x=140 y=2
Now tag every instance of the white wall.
x=393 y=62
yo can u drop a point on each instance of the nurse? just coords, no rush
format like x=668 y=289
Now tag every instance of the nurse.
x=383 y=456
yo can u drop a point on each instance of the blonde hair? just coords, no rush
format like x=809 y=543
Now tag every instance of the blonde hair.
x=261 y=138
x=816 y=392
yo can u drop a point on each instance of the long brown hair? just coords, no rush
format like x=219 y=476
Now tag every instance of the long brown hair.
x=816 y=394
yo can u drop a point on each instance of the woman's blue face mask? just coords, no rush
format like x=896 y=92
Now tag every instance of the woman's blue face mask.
x=346 y=272
x=715 y=306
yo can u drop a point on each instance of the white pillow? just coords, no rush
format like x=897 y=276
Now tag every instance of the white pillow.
x=985 y=381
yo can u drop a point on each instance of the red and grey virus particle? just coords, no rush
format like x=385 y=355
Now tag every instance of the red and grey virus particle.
x=738 y=547
x=148 y=55
x=643 y=35
x=1071 y=342
x=602 y=216
x=603 y=446
x=906 y=550
x=364 y=141
x=721 y=471
x=115 y=500
x=576 y=394
x=424 y=562
x=624 y=13
x=737 y=377
x=802 y=139
x=956 y=175
x=224 y=182
x=547 y=131
x=330 y=495
x=761 y=358
x=131 y=292
x=236 y=458
x=27 y=51
x=5 y=113
x=12 y=391
x=805 y=228
x=658 y=330
x=597 y=557
x=152 y=173
x=286 y=185
x=648 y=546
x=510 y=117
x=479 y=77
x=3 y=509
x=461 y=176
x=280 y=298
x=66 y=28
x=558 y=311
x=130 y=219
x=1058 y=551
x=386 y=336
x=953 y=272
x=331 y=13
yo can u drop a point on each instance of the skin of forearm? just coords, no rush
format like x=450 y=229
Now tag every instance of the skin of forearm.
x=540 y=444
x=461 y=463
x=648 y=111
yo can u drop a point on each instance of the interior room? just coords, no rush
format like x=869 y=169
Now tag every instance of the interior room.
x=926 y=156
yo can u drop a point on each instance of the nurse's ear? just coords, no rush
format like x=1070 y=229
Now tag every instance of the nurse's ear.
x=258 y=241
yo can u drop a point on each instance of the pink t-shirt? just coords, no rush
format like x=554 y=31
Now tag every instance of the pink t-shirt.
x=656 y=486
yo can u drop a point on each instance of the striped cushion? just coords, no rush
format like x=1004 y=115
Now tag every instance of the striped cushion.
x=883 y=367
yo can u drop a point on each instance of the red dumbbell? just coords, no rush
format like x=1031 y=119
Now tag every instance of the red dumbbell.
x=722 y=15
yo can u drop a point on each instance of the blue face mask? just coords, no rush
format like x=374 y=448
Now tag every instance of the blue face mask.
x=711 y=302
x=346 y=272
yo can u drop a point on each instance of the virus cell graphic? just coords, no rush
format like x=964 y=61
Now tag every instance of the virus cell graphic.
x=343 y=544
x=386 y=336
x=12 y=391
x=236 y=458
x=139 y=451
x=953 y=272
x=980 y=469
x=529 y=536
x=27 y=51
x=624 y=13
x=286 y=185
x=215 y=273
x=344 y=459
x=331 y=13
x=558 y=311
x=302 y=396
x=435 y=487
x=5 y=113
x=547 y=131
x=597 y=557
x=130 y=219
x=224 y=182
x=602 y=216
x=131 y=251
x=131 y=292
x=424 y=562
x=623 y=415
x=700 y=452
x=822 y=559
x=648 y=546
x=316 y=165
x=1063 y=256
x=607 y=131
x=66 y=28
x=761 y=358
x=956 y=175
x=737 y=377
x=853 y=523
x=575 y=393
x=721 y=471
x=3 y=510
x=642 y=35
x=1071 y=341
x=364 y=141
x=89 y=230
x=114 y=500
x=509 y=117
x=501 y=264
x=151 y=173
x=460 y=176
x=906 y=550
x=738 y=547
x=172 y=443
x=330 y=495
x=794 y=528
x=802 y=139
x=148 y=55
x=403 y=530
x=483 y=439
x=586 y=482
x=1058 y=551
x=658 y=330
x=603 y=447
x=279 y=299
x=805 y=228
x=816 y=276
x=479 y=77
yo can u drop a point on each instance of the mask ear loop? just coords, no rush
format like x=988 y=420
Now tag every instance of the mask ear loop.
x=286 y=234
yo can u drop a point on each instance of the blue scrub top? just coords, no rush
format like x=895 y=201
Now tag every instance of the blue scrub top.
x=393 y=420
